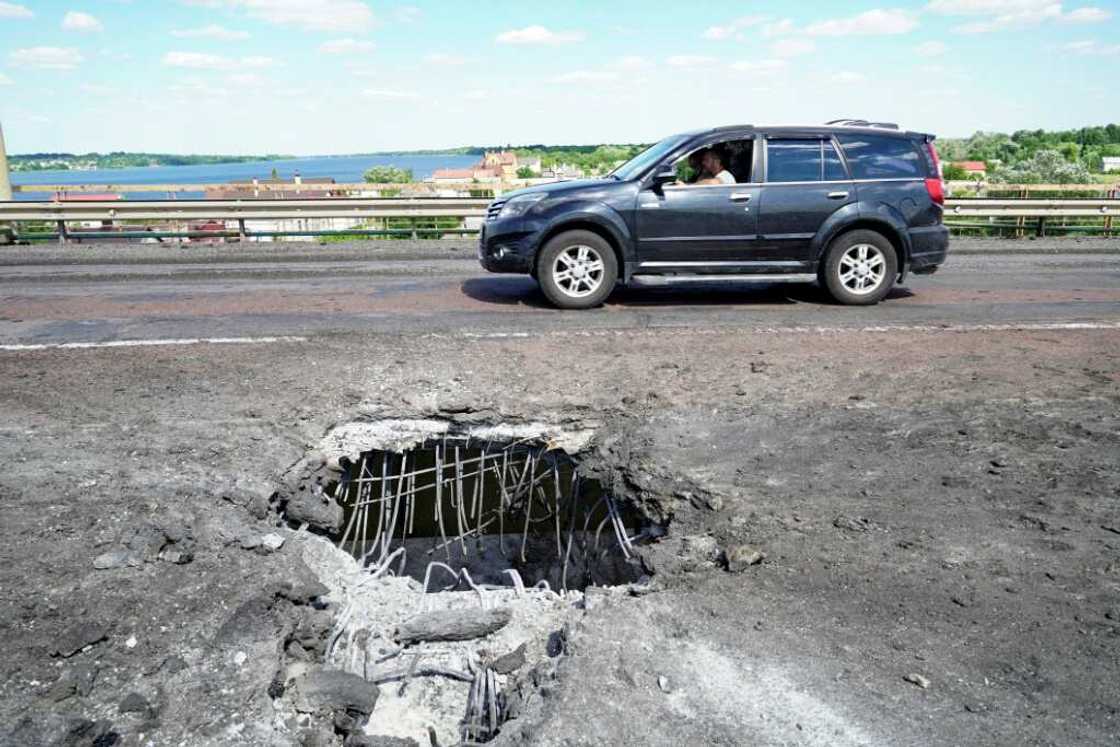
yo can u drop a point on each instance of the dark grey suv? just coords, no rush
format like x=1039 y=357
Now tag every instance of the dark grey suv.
x=853 y=205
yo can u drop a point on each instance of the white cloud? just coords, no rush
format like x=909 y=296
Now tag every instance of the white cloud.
x=539 y=35
x=196 y=60
x=381 y=93
x=779 y=28
x=441 y=58
x=732 y=30
x=932 y=49
x=346 y=46
x=792 y=47
x=5 y=80
x=47 y=58
x=82 y=22
x=1087 y=15
x=633 y=62
x=1008 y=14
x=985 y=7
x=759 y=67
x=195 y=88
x=312 y=15
x=98 y=89
x=847 y=77
x=690 y=60
x=11 y=10
x=407 y=14
x=213 y=31
x=245 y=80
x=892 y=21
x=1092 y=47
x=586 y=76
x=477 y=94
x=203 y=61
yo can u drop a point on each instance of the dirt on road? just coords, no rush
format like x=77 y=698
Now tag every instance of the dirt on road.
x=937 y=515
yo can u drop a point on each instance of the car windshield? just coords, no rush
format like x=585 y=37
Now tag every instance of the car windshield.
x=648 y=157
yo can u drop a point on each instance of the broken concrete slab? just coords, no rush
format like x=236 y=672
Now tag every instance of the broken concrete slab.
x=452 y=625
x=324 y=691
x=741 y=557
x=75 y=638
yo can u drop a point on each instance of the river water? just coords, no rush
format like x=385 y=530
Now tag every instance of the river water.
x=344 y=169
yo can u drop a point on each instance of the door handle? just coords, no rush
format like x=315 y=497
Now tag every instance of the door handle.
x=740 y=196
x=837 y=195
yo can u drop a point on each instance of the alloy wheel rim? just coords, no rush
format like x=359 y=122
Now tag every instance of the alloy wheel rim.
x=862 y=269
x=578 y=271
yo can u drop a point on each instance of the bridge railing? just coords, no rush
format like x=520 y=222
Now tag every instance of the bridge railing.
x=427 y=216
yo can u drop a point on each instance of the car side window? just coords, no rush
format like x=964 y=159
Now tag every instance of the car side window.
x=881 y=156
x=732 y=156
x=833 y=167
x=793 y=160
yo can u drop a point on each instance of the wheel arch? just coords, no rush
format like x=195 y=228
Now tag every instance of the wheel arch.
x=898 y=238
x=584 y=223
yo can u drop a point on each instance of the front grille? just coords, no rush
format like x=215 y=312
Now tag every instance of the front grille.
x=494 y=209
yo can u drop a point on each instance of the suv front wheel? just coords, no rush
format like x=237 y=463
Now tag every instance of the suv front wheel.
x=860 y=268
x=577 y=270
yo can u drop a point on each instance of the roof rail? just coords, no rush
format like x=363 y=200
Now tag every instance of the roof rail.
x=862 y=123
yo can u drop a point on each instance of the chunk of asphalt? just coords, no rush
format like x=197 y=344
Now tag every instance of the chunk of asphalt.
x=379 y=740
x=511 y=662
x=452 y=625
x=741 y=557
x=77 y=637
x=325 y=691
x=134 y=702
x=113 y=559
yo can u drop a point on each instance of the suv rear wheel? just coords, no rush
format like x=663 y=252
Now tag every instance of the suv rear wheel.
x=577 y=270
x=860 y=268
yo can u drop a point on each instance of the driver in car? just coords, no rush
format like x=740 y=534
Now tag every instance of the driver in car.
x=713 y=171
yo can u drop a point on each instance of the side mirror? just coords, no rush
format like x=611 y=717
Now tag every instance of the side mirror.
x=664 y=175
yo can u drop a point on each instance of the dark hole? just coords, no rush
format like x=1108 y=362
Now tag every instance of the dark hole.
x=483 y=508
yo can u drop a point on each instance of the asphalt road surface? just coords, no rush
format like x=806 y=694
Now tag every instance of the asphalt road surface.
x=104 y=293
x=930 y=485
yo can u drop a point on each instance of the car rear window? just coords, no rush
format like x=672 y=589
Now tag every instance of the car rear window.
x=881 y=157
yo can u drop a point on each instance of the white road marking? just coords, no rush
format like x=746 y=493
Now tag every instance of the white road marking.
x=153 y=343
x=627 y=332
x=819 y=330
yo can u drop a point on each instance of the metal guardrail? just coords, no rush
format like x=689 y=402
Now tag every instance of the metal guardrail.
x=422 y=209
x=1031 y=208
x=115 y=210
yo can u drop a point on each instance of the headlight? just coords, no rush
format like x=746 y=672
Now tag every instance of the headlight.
x=517 y=206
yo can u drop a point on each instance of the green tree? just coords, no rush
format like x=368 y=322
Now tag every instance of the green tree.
x=953 y=173
x=1045 y=167
x=387 y=175
x=525 y=173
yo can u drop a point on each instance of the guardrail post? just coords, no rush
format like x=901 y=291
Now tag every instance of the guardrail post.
x=63 y=237
x=241 y=233
x=1040 y=231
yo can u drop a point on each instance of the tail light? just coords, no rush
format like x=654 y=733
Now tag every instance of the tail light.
x=934 y=185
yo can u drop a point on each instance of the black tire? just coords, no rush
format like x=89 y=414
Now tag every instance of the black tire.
x=587 y=282
x=854 y=281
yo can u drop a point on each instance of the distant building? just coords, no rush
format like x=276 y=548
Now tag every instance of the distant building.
x=973 y=168
x=495 y=166
x=297 y=188
x=1111 y=163
x=562 y=171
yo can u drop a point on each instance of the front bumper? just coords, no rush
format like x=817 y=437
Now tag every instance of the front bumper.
x=929 y=246
x=508 y=245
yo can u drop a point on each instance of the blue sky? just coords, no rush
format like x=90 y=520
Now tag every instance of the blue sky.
x=343 y=76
